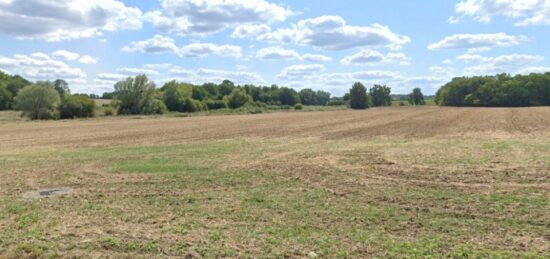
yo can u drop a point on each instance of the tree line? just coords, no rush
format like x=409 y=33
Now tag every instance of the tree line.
x=501 y=90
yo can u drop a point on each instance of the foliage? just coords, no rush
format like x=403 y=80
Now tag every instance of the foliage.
x=358 y=96
x=288 y=96
x=109 y=111
x=6 y=98
x=499 y=90
x=238 y=98
x=76 y=106
x=177 y=97
x=62 y=87
x=215 y=104
x=380 y=95
x=37 y=101
x=310 y=97
x=416 y=97
x=298 y=106
x=108 y=95
x=136 y=96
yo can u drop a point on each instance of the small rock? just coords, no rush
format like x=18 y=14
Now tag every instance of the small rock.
x=312 y=254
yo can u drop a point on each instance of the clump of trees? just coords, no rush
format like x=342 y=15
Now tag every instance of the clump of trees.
x=499 y=90
x=47 y=100
x=378 y=95
x=137 y=95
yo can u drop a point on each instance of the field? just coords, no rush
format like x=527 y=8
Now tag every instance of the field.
x=385 y=182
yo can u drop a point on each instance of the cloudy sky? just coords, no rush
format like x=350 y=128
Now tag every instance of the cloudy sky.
x=301 y=43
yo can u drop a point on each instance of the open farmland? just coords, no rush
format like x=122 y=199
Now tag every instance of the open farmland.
x=384 y=182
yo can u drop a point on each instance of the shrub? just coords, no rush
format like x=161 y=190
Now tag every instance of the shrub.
x=298 y=106
x=215 y=104
x=154 y=106
x=37 y=101
x=74 y=106
x=416 y=97
x=109 y=111
x=285 y=107
x=238 y=98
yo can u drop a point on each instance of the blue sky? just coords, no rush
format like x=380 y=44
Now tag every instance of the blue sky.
x=317 y=44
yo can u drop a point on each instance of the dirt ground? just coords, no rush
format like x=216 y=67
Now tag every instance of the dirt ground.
x=384 y=182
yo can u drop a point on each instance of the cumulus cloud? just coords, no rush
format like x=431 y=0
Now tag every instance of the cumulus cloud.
x=162 y=44
x=40 y=66
x=250 y=30
x=300 y=71
x=333 y=33
x=373 y=57
x=65 y=54
x=500 y=64
x=315 y=58
x=526 y=12
x=64 y=20
x=276 y=53
x=529 y=70
x=157 y=44
x=88 y=60
x=206 y=49
x=479 y=42
x=185 y=17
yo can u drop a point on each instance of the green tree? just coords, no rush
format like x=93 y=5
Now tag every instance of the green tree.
x=37 y=101
x=358 y=96
x=416 y=97
x=135 y=95
x=6 y=98
x=238 y=98
x=380 y=95
x=76 y=106
x=61 y=86
x=226 y=87
x=307 y=96
x=288 y=96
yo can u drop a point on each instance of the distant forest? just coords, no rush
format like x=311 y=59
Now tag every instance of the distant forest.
x=501 y=90
x=139 y=95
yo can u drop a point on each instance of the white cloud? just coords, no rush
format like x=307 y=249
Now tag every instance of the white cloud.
x=529 y=70
x=524 y=12
x=300 y=71
x=162 y=44
x=66 y=55
x=63 y=20
x=250 y=30
x=186 y=17
x=157 y=44
x=315 y=58
x=206 y=49
x=130 y=71
x=373 y=57
x=479 y=42
x=40 y=66
x=88 y=60
x=332 y=33
x=276 y=53
x=499 y=64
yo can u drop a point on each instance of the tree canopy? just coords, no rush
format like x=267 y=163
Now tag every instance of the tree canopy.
x=499 y=90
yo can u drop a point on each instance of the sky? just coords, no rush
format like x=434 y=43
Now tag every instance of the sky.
x=324 y=45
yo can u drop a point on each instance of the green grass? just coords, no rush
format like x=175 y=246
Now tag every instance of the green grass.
x=236 y=198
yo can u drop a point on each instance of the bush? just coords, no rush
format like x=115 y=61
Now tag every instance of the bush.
x=298 y=106
x=73 y=106
x=285 y=107
x=215 y=104
x=37 y=101
x=238 y=98
x=154 y=106
x=109 y=111
x=416 y=97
